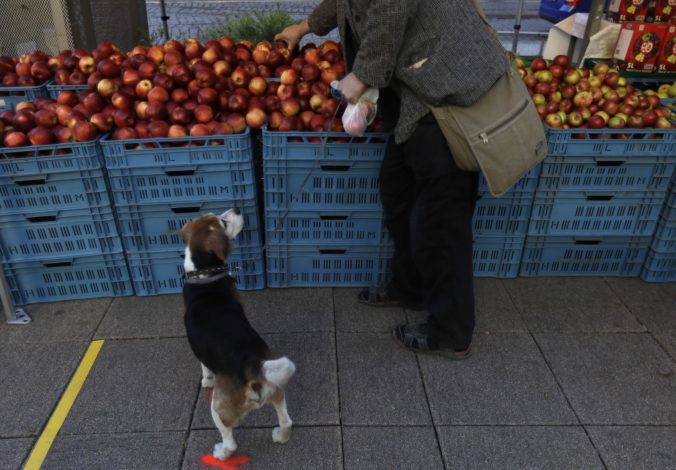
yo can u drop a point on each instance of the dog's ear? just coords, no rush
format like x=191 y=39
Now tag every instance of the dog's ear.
x=216 y=242
x=186 y=232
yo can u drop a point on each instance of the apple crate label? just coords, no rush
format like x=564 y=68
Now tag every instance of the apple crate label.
x=638 y=46
x=628 y=10
x=667 y=60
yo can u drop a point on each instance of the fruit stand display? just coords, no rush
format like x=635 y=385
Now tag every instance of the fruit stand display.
x=24 y=78
x=132 y=145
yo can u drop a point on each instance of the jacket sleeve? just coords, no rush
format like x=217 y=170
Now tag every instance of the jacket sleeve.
x=323 y=18
x=381 y=39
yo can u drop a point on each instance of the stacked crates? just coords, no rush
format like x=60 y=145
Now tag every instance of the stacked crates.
x=500 y=226
x=160 y=184
x=323 y=217
x=660 y=265
x=598 y=201
x=58 y=237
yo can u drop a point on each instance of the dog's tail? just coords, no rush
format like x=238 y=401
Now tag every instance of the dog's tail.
x=278 y=371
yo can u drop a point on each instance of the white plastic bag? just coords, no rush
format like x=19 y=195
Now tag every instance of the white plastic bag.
x=357 y=117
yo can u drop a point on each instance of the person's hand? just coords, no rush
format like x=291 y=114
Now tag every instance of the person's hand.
x=352 y=88
x=293 y=34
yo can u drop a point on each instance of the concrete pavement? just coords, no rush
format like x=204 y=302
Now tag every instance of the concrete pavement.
x=566 y=373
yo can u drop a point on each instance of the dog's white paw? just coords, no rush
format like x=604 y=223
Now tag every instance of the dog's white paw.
x=221 y=452
x=281 y=435
x=208 y=382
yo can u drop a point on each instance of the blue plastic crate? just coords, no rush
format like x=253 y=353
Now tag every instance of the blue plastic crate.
x=47 y=192
x=10 y=96
x=659 y=267
x=162 y=272
x=68 y=278
x=53 y=89
x=187 y=184
x=583 y=256
x=497 y=256
x=321 y=146
x=301 y=185
x=325 y=227
x=619 y=173
x=53 y=158
x=578 y=213
x=605 y=142
x=167 y=152
x=327 y=266
x=58 y=233
x=156 y=227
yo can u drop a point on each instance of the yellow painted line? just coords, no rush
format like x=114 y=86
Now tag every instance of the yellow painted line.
x=59 y=415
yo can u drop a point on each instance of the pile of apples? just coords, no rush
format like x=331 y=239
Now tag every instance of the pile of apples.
x=26 y=71
x=181 y=89
x=568 y=98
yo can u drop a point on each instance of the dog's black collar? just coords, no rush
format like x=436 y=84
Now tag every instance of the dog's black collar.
x=208 y=275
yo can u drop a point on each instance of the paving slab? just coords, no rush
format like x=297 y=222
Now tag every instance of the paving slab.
x=135 y=386
x=668 y=342
x=74 y=320
x=505 y=381
x=570 y=304
x=380 y=383
x=312 y=393
x=289 y=310
x=309 y=448
x=492 y=447
x=391 y=447
x=144 y=317
x=635 y=446
x=116 y=451
x=32 y=378
x=613 y=378
x=14 y=451
x=654 y=304
x=352 y=316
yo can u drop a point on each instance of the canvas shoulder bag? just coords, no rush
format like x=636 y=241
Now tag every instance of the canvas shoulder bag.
x=500 y=135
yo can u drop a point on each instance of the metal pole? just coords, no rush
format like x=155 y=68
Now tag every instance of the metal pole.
x=14 y=316
x=517 y=27
x=593 y=23
x=164 y=19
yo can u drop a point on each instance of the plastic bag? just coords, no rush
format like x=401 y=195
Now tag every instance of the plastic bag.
x=357 y=117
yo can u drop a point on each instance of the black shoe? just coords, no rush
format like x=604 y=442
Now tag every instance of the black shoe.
x=377 y=296
x=415 y=337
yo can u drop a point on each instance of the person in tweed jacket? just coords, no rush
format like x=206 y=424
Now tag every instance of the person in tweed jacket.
x=418 y=53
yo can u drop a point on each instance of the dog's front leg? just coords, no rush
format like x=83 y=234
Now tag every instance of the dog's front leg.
x=223 y=450
x=282 y=433
x=207 y=377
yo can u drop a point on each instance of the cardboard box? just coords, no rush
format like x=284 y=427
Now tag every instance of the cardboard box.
x=665 y=11
x=628 y=10
x=571 y=30
x=638 y=46
x=666 y=63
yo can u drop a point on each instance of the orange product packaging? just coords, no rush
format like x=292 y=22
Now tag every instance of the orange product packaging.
x=638 y=46
x=666 y=63
x=628 y=10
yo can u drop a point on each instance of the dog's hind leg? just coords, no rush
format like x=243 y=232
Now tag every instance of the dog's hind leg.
x=281 y=433
x=207 y=377
x=224 y=449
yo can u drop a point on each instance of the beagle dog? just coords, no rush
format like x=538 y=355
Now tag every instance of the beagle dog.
x=236 y=361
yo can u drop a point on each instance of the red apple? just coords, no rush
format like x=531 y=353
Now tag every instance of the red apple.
x=256 y=118
x=15 y=139
x=237 y=122
x=102 y=122
x=84 y=131
x=40 y=136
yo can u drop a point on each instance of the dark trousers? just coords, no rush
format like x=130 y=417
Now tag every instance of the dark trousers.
x=428 y=204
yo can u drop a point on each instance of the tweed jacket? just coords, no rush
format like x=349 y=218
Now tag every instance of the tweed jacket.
x=429 y=51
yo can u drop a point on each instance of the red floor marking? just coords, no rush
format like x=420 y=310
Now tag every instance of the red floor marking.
x=232 y=463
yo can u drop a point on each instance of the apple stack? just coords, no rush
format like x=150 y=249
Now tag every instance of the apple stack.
x=180 y=149
x=611 y=156
x=660 y=265
x=58 y=235
x=24 y=78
